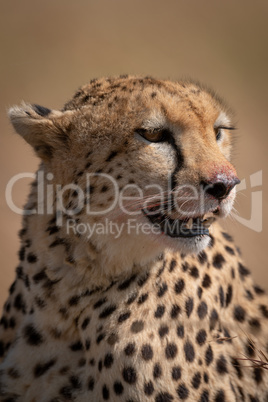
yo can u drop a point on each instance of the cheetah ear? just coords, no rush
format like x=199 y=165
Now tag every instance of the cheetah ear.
x=44 y=129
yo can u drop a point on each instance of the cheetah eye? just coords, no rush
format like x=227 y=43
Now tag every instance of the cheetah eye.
x=218 y=133
x=152 y=136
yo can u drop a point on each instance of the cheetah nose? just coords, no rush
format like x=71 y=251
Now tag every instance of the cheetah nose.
x=220 y=189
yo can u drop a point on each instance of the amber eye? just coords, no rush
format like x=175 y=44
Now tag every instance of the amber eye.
x=152 y=136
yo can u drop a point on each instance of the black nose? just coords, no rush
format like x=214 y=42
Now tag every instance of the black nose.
x=220 y=189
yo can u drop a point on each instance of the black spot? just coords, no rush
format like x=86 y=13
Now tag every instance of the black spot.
x=130 y=349
x=264 y=310
x=199 y=292
x=249 y=295
x=123 y=317
x=163 y=397
x=163 y=330
x=32 y=336
x=175 y=311
x=237 y=368
x=185 y=266
x=12 y=288
x=171 y=350
x=205 y=396
x=12 y=322
x=250 y=348
x=74 y=300
x=213 y=319
x=111 y=156
x=99 y=303
x=220 y=396
x=107 y=311
x=57 y=242
x=172 y=266
x=201 y=337
x=206 y=281
x=104 y=189
x=189 y=305
x=31 y=258
x=257 y=374
x=194 y=272
x=108 y=360
x=202 y=257
x=182 y=391
x=132 y=298
x=227 y=236
x=160 y=311
x=90 y=384
x=40 y=276
x=19 y=303
x=218 y=261
x=189 y=351
x=221 y=296
x=100 y=338
x=180 y=331
x=202 y=310
x=239 y=314
x=75 y=381
x=118 y=388
x=196 y=380
x=229 y=295
x=2 y=348
x=176 y=373
x=41 y=110
x=157 y=371
x=100 y=365
x=243 y=271
x=179 y=286
x=13 y=373
x=137 y=326
x=206 y=378
x=162 y=289
x=22 y=253
x=66 y=392
x=142 y=298
x=209 y=355
x=258 y=290
x=147 y=352
x=221 y=365
x=105 y=392
x=148 y=388
x=254 y=323
x=76 y=346
x=253 y=398
x=85 y=323
x=230 y=250
x=129 y=375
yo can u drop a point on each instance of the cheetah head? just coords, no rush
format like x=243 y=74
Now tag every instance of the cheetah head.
x=140 y=150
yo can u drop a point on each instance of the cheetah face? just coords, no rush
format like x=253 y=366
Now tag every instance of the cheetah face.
x=165 y=145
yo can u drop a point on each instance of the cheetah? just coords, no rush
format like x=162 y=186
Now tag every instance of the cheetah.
x=127 y=288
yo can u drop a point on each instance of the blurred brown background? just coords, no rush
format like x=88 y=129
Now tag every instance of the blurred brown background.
x=50 y=48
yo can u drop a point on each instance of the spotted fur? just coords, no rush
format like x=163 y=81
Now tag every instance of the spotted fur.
x=134 y=319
